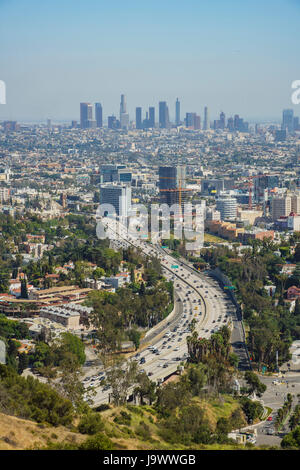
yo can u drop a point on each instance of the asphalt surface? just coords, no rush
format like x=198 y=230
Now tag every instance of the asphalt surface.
x=200 y=297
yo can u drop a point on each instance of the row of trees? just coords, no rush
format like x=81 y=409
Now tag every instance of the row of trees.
x=272 y=326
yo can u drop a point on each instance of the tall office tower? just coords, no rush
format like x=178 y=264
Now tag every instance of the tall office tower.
x=98 y=115
x=115 y=173
x=177 y=112
x=138 y=118
x=117 y=195
x=227 y=206
x=193 y=121
x=124 y=121
x=86 y=115
x=163 y=115
x=288 y=120
x=206 y=124
x=263 y=182
x=112 y=122
x=197 y=122
x=295 y=203
x=236 y=122
x=124 y=116
x=222 y=121
x=152 y=117
x=172 y=184
x=281 y=207
x=190 y=120
x=296 y=125
x=230 y=124
x=123 y=107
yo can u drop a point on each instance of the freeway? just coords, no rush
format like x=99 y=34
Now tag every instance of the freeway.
x=196 y=297
x=237 y=335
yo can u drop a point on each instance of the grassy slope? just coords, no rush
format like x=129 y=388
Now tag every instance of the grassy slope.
x=17 y=433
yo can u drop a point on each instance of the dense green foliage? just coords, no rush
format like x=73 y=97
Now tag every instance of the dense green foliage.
x=90 y=423
x=272 y=326
x=29 y=398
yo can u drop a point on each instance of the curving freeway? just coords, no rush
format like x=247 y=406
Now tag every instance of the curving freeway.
x=195 y=296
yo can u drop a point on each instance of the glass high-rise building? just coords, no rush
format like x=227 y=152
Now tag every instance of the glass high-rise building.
x=222 y=120
x=163 y=115
x=124 y=116
x=177 y=112
x=206 y=124
x=98 y=115
x=152 y=116
x=227 y=206
x=86 y=115
x=138 y=118
x=288 y=120
x=123 y=106
x=172 y=184
x=118 y=195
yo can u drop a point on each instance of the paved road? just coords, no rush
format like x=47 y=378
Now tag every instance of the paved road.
x=199 y=297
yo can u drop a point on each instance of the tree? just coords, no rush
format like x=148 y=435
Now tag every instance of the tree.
x=172 y=395
x=90 y=423
x=98 y=273
x=69 y=343
x=121 y=377
x=23 y=362
x=69 y=384
x=255 y=385
x=237 y=419
x=24 y=291
x=145 y=388
x=135 y=337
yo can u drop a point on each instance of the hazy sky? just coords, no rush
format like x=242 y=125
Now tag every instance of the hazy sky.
x=239 y=56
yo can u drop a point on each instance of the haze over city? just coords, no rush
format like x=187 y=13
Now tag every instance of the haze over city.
x=149 y=229
x=236 y=57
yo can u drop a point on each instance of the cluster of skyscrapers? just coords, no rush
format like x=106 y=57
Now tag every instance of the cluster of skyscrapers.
x=191 y=121
x=86 y=116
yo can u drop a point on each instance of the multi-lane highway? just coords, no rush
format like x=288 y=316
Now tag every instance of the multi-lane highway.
x=196 y=297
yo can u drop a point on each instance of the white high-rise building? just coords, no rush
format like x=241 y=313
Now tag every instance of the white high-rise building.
x=281 y=207
x=118 y=196
x=227 y=206
x=295 y=203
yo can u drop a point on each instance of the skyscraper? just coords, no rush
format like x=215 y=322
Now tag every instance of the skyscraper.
x=177 y=112
x=124 y=117
x=123 y=105
x=138 y=118
x=288 y=120
x=163 y=115
x=117 y=195
x=86 y=115
x=193 y=121
x=206 y=124
x=227 y=206
x=222 y=120
x=152 y=116
x=172 y=184
x=112 y=122
x=98 y=114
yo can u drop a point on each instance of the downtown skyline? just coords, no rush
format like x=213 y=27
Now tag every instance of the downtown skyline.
x=67 y=53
